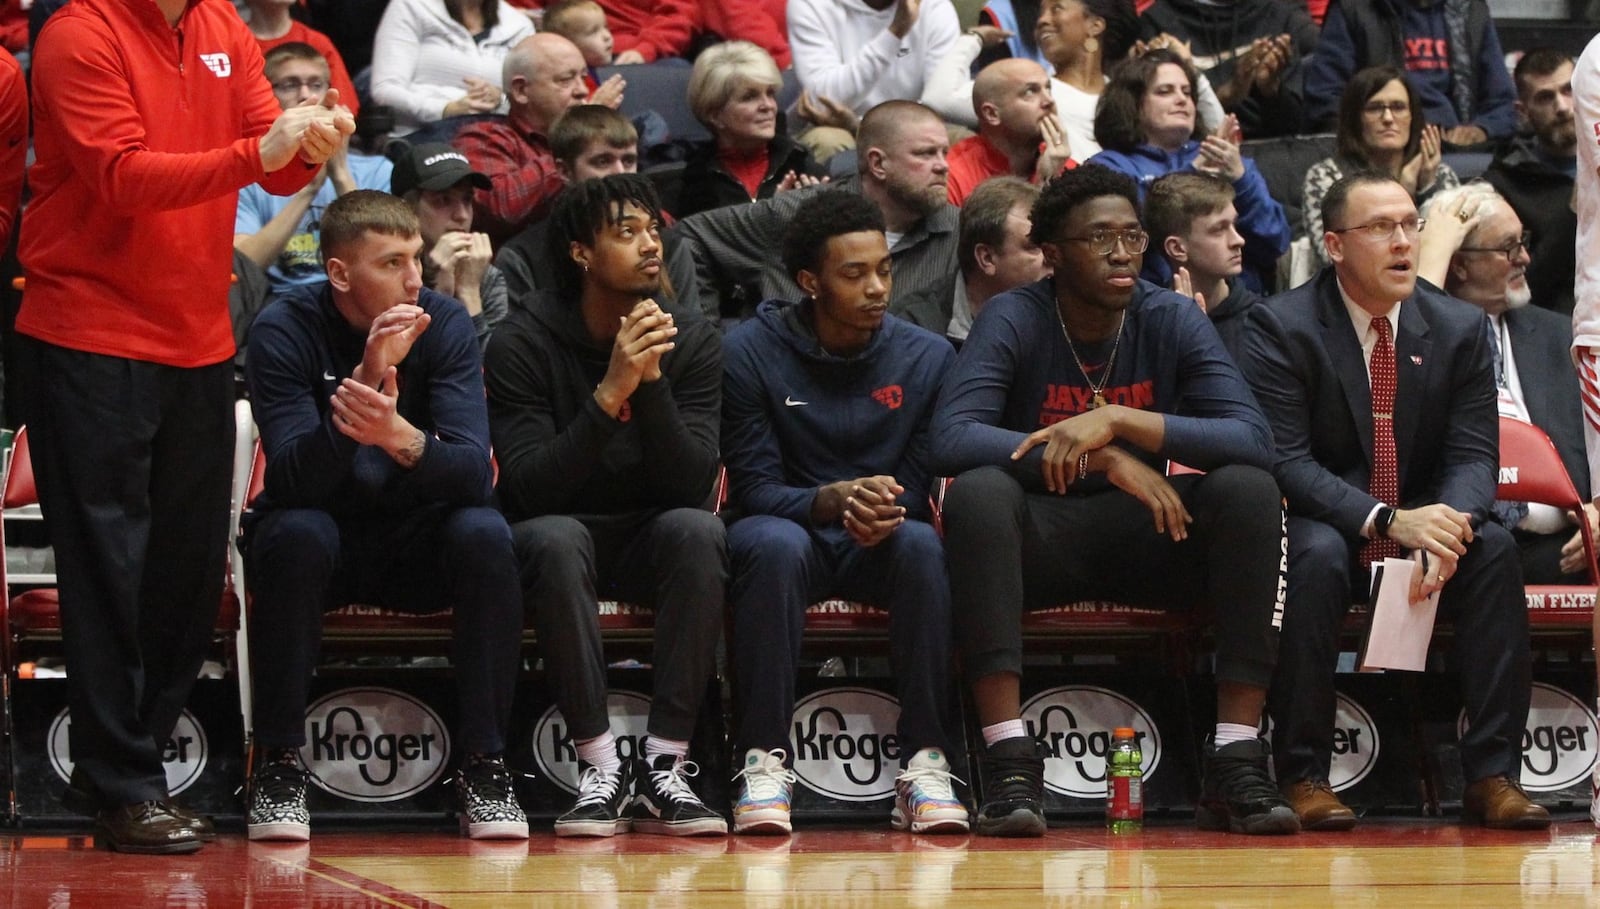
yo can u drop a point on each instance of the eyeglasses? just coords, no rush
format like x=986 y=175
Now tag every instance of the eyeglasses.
x=1103 y=240
x=1511 y=250
x=293 y=86
x=1383 y=228
x=1394 y=108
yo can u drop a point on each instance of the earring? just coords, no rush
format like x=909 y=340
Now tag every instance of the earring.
x=1091 y=45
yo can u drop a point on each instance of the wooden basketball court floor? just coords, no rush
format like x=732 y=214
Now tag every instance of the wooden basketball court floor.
x=1411 y=863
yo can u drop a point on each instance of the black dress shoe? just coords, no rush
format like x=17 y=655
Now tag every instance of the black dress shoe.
x=144 y=827
x=82 y=796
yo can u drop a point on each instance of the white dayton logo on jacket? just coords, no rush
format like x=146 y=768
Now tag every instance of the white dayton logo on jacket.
x=218 y=63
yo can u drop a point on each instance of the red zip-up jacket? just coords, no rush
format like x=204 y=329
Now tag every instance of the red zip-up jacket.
x=143 y=135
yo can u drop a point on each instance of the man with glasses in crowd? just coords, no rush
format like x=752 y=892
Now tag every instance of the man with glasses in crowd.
x=280 y=233
x=1491 y=267
x=1382 y=401
x=1058 y=420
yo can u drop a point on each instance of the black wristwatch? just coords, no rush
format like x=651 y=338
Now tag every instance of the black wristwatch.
x=1382 y=520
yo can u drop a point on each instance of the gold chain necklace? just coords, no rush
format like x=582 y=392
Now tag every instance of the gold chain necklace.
x=1099 y=398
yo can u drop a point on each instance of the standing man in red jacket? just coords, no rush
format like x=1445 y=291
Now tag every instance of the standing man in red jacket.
x=149 y=115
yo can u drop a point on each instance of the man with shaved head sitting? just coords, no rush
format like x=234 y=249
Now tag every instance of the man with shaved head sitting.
x=1018 y=133
x=543 y=77
x=901 y=152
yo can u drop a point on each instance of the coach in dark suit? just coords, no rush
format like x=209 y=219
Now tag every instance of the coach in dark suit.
x=1414 y=473
x=1532 y=366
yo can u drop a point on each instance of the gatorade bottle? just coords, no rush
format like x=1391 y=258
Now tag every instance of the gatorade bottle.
x=1124 y=783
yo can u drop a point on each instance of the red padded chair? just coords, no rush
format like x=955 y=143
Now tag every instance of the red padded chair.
x=1531 y=471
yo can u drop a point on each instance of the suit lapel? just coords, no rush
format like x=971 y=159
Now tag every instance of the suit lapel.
x=1532 y=372
x=1349 y=364
x=1412 y=361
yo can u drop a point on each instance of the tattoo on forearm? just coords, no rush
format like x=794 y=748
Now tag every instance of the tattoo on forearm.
x=411 y=453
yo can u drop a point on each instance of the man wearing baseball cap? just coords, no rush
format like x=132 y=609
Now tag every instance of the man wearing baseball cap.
x=438 y=183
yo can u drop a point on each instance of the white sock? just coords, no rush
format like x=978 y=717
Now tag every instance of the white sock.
x=1005 y=729
x=601 y=751
x=1228 y=733
x=655 y=747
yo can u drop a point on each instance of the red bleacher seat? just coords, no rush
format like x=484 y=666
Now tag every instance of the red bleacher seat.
x=1531 y=471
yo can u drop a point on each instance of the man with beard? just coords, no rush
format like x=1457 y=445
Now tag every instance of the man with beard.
x=1534 y=378
x=1066 y=402
x=901 y=163
x=825 y=434
x=1018 y=133
x=1535 y=172
x=1382 y=400
x=603 y=408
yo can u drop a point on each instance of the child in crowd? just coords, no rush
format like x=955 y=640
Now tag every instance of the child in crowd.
x=583 y=22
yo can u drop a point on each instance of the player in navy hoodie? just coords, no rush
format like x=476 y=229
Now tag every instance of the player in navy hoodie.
x=826 y=406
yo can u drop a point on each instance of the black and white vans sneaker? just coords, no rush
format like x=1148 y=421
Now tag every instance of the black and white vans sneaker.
x=602 y=799
x=277 y=799
x=665 y=804
x=489 y=807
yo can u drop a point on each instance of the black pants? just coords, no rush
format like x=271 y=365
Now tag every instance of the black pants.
x=674 y=562
x=1540 y=554
x=1484 y=600
x=304 y=562
x=133 y=461
x=1010 y=550
x=780 y=568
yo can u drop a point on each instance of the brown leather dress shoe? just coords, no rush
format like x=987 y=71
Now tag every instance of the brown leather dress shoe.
x=1501 y=804
x=1318 y=808
x=144 y=827
x=200 y=823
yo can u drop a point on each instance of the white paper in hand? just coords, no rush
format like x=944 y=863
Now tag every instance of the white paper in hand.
x=1399 y=634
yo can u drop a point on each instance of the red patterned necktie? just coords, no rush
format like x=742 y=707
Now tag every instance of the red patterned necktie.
x=1385 y=482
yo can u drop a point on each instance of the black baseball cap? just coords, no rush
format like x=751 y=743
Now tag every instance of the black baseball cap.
x=433 y=165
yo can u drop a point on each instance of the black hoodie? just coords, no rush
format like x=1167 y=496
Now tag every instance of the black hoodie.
x=559 y=453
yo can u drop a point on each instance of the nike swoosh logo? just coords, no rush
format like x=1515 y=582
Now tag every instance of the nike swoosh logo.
x=329 y=377
x=791 y=402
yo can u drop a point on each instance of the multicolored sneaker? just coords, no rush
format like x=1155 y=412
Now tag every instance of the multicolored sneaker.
x=923 y=799
x=666 y=805
x=765 y=788
x=489 y=808
x=602 y=798
x=277 y=798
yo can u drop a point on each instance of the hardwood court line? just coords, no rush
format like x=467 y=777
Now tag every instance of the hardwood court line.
x=377 y=890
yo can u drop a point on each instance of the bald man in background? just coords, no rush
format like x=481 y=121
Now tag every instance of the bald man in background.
x=1018 y=133
x=543 y=77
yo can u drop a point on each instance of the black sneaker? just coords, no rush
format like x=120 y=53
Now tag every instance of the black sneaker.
x=665 y=804
x=602 y=797
x=489 y=808
x=1237 y=795
x=1013 y=789
x=277 y=799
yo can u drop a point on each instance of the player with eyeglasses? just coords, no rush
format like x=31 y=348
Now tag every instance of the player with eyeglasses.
x=1065 y=405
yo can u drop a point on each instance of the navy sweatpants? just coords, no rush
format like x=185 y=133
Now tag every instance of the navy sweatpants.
x=779 y=568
